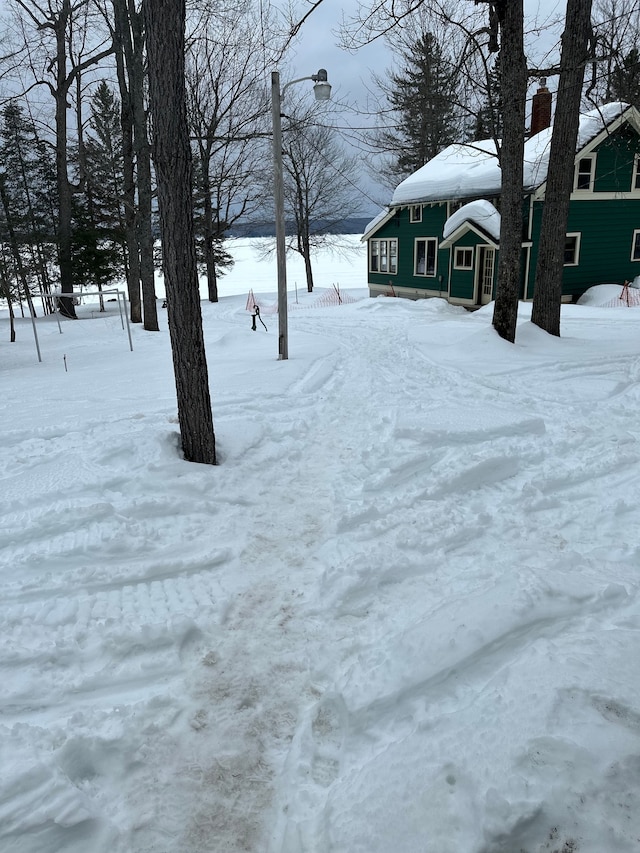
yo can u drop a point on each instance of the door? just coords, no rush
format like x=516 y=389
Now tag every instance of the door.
x=486 y=269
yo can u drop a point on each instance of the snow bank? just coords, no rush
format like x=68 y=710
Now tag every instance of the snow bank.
x=401 y=615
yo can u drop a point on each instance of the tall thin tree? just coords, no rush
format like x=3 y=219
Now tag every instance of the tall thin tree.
x=547 y=295
x=165 y=27
x=513 y=85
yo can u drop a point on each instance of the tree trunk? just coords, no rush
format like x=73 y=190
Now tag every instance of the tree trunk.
x=15 y=248
x=129 y=189
x=5 y=293
x=547 y=295
x=306 y=253
x=62 y=169
x=165 y=26
x=143 y=163
x=208 y=227
x=513 y=84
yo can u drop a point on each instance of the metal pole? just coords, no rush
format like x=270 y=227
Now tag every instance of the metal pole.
x=35 y=333
x=278 y=192
x=125 y=313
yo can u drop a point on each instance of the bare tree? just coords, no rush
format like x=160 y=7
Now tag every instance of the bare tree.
x=227 y=115
x=121 y=35
x=319 y=189
x=55 y=53
x=547 y=295
x=615 y=67
x=513 y=85
x=165 y=28
x=129 y=27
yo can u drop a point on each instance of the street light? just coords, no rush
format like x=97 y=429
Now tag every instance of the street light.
x=322 y=91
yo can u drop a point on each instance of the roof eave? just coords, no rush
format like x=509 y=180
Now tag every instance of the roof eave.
x=469 y=225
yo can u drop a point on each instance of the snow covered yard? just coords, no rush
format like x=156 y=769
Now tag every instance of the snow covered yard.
x=401 y=616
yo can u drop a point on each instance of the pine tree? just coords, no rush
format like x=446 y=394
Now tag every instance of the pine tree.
x=28 y=220
x=423 y=97
x=210 y=228
x=625 y=81
x=488 y=122
x=99 y=217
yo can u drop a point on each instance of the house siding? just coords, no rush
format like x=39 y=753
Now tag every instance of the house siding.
x=614 y=161
x=605 y=216
x=606 y=228
x=463 y=281
x=406 y=232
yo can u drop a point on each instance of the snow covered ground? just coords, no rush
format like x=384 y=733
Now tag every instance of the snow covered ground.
x=401 y=616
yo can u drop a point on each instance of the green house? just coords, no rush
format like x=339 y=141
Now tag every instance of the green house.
x=440 y=234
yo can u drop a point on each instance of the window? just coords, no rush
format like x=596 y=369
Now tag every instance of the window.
x=463 y=259
x=415 y=213
x=635 y=181
x=585 y=170
x=426 y=257
x=635 y=246
x=383 y=255
x=393 y=256
x=571 y=250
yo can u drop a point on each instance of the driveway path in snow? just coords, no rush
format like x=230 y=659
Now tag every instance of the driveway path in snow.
x=410 y=580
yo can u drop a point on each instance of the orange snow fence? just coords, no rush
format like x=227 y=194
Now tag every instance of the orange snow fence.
x=264 y=309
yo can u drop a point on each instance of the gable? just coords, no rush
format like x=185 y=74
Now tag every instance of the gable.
x=615 y=144
x=615 y=157
x=468 y=233
x=471 y=170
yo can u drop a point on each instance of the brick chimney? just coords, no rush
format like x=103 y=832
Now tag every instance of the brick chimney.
x=541 y=108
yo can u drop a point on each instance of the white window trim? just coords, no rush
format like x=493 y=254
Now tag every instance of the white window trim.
x=456 y=264
x=393 y=255
x=425 y=274
x=388 y=254
x=415 y=213
x=636 y=236
x=635 y=178
x=592 y=174
x=578 y=236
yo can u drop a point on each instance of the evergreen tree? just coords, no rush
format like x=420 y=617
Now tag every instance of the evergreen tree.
x=487 y=122
x=99 y=218
x=423 y=96
x=210 y=227
x=625 y=82
x=27 y=220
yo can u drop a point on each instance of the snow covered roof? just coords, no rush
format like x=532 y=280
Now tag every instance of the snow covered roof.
x=377 y=221
x=472 y=169
x=480 y=212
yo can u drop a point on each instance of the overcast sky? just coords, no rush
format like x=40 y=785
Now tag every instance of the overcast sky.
x=317 y=46
x=351 y=73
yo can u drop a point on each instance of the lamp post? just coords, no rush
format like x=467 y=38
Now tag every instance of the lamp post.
x=322 y=91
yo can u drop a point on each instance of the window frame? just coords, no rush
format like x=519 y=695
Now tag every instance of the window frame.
x=635 y=246
x=635 y=177
x=415 y=213
x=577 y=235
x=426 y=241
x=460 y=265
x=591 y=158
x=385 y=251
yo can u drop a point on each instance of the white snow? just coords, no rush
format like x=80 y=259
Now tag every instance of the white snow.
x=472 y=169
x=401 y=615
x=460 y=170
x=481 y=212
